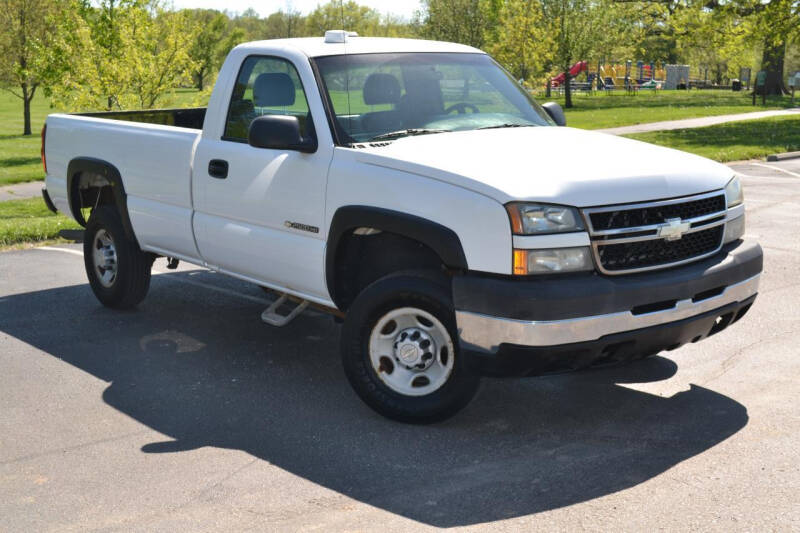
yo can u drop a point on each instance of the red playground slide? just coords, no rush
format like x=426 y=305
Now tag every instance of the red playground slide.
x=576 y=69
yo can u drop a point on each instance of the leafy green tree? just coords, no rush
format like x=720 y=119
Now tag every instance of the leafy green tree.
x=458 y=21
x=155 y=56
x=714 y=41
x=776 y=25
x=208 y=30
x=521 y=42
x=285 y=24
x=251 y=24
x=32 y=51
x=132 y=54
x=771 y=26
x=348 y=15
x=575 y=27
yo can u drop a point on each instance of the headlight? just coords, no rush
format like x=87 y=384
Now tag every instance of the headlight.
x=733 y=192
x=536 y=219
x=552 y=260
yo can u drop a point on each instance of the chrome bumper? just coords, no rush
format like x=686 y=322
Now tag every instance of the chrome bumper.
x=489 y=332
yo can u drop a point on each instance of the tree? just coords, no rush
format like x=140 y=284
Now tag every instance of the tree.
x=521 y=43
x=132 y=53
x=284 y=24
x=575 y=27
x=31 y=48
x=776 y=25
x=458 y=21
x=208 y=30
x=155 y=57
x=772 y=25
x=713 y=40
x=348 y=16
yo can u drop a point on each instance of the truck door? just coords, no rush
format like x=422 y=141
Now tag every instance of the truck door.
x=259 y=212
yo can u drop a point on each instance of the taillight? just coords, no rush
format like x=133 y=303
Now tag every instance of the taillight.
x=44 y=159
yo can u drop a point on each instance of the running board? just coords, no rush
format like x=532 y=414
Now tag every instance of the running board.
x=273 y=318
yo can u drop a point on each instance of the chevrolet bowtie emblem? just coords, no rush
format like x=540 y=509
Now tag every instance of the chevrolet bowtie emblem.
x=673 y=229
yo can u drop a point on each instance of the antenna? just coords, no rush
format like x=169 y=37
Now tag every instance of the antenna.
x=346 y=66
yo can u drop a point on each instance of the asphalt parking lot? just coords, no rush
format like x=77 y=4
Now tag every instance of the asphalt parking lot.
x=190 y=414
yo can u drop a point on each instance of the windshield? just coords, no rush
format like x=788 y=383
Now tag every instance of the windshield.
x=386 y=96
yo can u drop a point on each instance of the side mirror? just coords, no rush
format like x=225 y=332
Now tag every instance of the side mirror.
x=556 y=113
x=279 y=132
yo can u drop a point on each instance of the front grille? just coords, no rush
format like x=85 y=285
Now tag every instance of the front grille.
x=633 y=238
x=655 y=252
x=657 y=214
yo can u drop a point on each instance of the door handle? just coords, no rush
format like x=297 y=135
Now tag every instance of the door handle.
x=217 y=168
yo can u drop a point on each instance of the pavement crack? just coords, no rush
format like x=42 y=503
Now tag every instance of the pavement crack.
x=72 y=448
x=728 y=363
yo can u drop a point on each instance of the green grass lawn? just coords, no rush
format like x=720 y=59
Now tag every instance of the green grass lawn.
x=598 y=111
x=20 y=160
x=19 y=155
x=24 y=221
x=734 y=141
x=29 y=220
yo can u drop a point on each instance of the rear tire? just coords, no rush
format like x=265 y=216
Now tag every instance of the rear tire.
x=400 y=349
x=118 y=271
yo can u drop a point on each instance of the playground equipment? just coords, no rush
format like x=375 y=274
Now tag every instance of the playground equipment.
x=677 y=75
x=608 y=76
x=632 y=76
x=635 y=75
x=574 y=70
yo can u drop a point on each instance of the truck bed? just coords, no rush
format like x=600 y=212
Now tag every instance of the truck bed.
x=191 y=118
x=151 y=150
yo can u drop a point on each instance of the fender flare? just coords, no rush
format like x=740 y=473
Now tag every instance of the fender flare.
x=442 y=240
x=102 y=168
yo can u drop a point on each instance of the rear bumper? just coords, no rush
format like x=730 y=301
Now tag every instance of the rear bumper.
x=511 y=327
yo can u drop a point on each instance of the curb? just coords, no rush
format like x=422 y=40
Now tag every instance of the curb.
x=784 y=156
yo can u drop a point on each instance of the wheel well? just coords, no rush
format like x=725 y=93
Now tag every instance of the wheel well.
x=92 y=182
x=89 y=191
x=365 y=255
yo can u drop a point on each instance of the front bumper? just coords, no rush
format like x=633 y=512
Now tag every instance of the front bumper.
x=534 y=326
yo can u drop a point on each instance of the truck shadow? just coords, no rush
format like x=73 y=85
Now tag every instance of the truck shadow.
x=199 y=367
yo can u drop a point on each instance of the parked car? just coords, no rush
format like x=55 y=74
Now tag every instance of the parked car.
x=415 y=190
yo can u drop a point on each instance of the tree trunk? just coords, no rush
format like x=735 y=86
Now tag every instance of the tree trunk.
x=772 y=60
x=27 y=112
x=27 y=96
x=547 y=90
x=200 y=81
x=567 y=89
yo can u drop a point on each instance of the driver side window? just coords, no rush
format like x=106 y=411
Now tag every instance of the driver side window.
x=265 y=86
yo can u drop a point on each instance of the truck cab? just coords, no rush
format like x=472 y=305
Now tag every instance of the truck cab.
x=417 y=192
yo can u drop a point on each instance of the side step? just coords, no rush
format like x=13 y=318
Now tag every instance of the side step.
x=273 y=318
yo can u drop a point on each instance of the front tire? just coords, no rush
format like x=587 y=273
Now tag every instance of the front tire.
x=400 y=350
x=118 y=271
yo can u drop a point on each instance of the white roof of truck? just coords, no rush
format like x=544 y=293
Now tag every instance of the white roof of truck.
x=317 y=46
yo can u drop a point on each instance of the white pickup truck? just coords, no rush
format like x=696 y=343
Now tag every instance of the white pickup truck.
x=416 y=191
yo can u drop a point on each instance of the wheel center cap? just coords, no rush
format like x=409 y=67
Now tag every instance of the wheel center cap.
x=408 y=352
x=414 y=348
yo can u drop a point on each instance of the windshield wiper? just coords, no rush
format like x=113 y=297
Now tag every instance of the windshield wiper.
x=508 y=125
x=404 y=133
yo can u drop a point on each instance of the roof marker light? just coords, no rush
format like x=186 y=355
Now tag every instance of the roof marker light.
x=338 y=36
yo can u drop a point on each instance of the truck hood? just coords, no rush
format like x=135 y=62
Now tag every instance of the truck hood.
x=551 y=164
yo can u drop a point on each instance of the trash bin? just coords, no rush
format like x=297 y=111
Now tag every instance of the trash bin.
x=736 y=85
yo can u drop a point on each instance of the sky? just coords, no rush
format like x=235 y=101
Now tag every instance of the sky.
x=404 y=8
